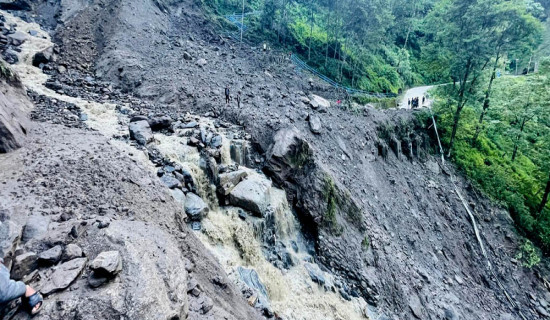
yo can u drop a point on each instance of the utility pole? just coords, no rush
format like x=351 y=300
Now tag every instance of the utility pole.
x=242 y=24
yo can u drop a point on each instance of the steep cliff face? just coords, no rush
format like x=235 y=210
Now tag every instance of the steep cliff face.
x=382 y=212
x=14 y=111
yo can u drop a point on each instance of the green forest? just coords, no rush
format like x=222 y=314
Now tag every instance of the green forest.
x=489 y=58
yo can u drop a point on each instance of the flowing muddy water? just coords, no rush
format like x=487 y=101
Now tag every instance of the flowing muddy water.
x=235 y=242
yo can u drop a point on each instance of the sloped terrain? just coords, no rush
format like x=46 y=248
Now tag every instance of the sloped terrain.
x=383 y=214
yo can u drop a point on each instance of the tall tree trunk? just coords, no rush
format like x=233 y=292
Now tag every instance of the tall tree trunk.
x=486 y=100
x=516 y=144
x=310 y=34
x=460 y=105
x=545 y=196
x=328 y=37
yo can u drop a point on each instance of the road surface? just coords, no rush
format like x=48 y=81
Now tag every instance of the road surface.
x=415 y=92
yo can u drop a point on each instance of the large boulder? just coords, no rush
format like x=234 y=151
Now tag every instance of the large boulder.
x=159 y=123
x=23 y=265
x=17 y=38
x=50 y=256
x=288 y=156
x=141 y=132
x=195 y=207
x=317 y=102
x=228 y=181
x=10 y=233
x=315 y=123
x=14 y=110
x=35 y=228
x=108 y=262
x=43 y=57
x=63 y=276
x=252 y=194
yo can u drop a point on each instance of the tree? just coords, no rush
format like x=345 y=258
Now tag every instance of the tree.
x=466 y=31
x=518 y=28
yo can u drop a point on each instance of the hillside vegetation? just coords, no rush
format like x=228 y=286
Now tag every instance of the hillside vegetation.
x=494 y=125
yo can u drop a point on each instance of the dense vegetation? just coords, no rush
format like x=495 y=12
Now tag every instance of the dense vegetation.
x=495 y=125
x=508 y=155
x=367 y=44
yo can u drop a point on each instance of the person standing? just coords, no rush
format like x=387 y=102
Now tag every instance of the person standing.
x=409 y=103
x=423 y=100
x=227 y=95
x=238 y=101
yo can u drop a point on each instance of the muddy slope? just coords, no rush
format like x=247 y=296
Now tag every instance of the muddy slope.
x=78 y=193
x=408 y=246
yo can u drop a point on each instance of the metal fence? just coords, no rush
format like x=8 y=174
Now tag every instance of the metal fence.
x=301 y=65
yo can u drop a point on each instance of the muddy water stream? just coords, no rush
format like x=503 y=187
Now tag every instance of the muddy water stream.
x=237 y=243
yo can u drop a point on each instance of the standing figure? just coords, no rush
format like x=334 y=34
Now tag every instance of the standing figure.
x=238 y=101
x=227 y=95
x=409 y=102
x=423 y=100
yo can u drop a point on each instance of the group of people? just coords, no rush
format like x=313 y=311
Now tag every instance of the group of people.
x=228 y=97
x=415 y=102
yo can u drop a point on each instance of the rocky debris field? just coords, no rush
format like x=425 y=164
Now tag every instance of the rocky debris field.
x=378 y=212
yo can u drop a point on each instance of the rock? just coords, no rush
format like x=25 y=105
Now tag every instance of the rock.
x=288 y=154
x=318 y=102
x=187 y=56
x=72 y=251
x=96 y=281
x=141 y=132
x=190 y=125
x=415 y=306
x=433 y=166
x=83 y=117
x=43 y=57
x=9 y=237
x=23 y=265
x=15 y=5
x=216 y=141
x=50 y=256
x=63 y=276
x=251 y=194
x=61 y=69
x=450 y=314
x=542 y=311
x=17 y=38
x=170 y=181
x=159 y=123
x=154 y=276
x=107 y=263
x=178 y=195
x=195 y=207
x=139 y=118
x=14 y=111
x=228 y=181
x=252 y=281
x=35 y=228
x=315 y=273
x=201 y=62
x=314 y=123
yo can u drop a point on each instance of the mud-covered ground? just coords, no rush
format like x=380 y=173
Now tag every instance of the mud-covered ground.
x=422 y=259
